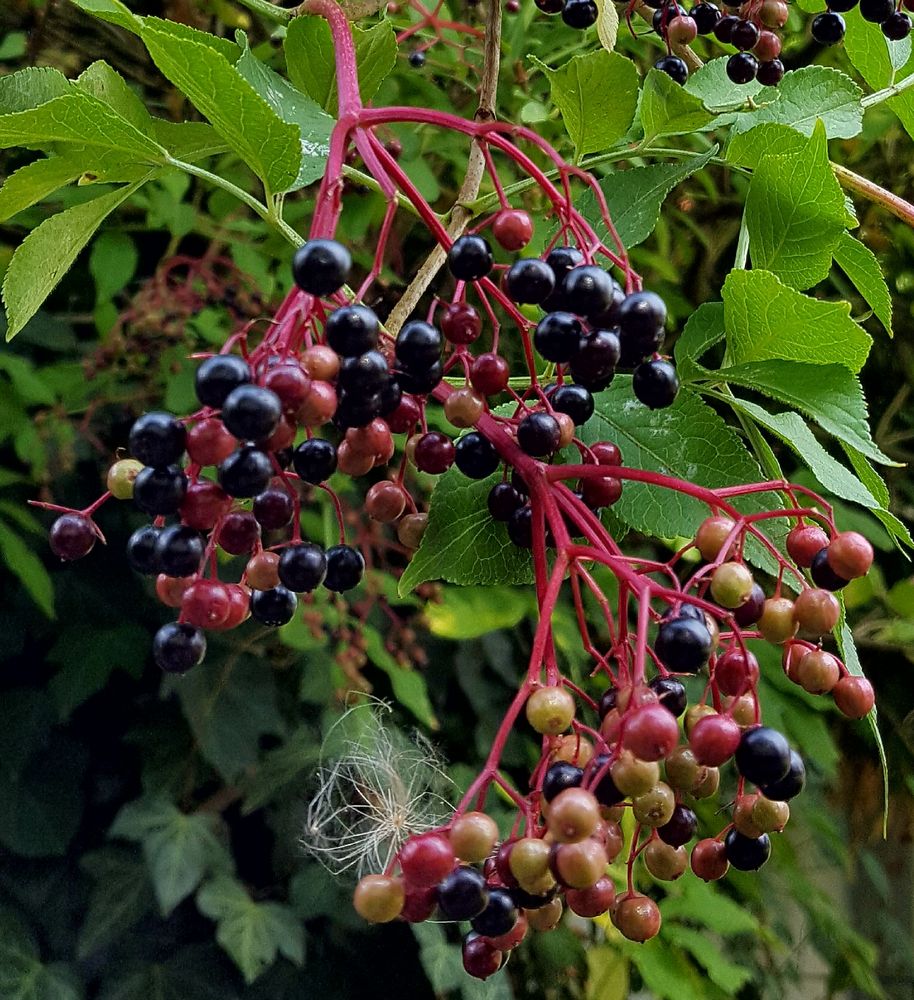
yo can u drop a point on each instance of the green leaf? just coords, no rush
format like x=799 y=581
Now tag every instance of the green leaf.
x=121 y=897
x=34 y=182
x=30 y=87
x=252 y=934
x=467 y=613
x=807 y=95
x=704 y=328
x=667 y=973
x=311 y=65
x=196 y=972
x=48 y=252
x=269 y=146
x=229 y=706
x=750 y=148
x=112 y=11
x=766 y=319
x=112 y=263
x=462 y=544
x=668 y=109
x=705 y=904
x=108 y=86
x=27 y=567
x=295 y=108
x=23 y=976
x=27 y=383
x=688 y=440
x=189 y=141
x=634 y=197
x=710 y=84
x=731 y=978
x=279 y=768
x=596 y=94
x=409 y=686
x=795 y=213
x=859 y=263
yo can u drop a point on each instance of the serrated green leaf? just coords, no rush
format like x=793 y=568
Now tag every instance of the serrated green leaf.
x=766 y=319
x=710 y=84
x=295 y=108
x=121 y=896
x=859 y=263
x=21 y=561
x=795 y=213
x=668 y=109
x=729 y=976
x=807 y=95
x=112 y=11
x=108 y=86
x=596 y=94
x=704 y=904
x=30 y=87
x=467 y=613
x=703 y=329
x=49 y=250
x=252 y=934
x=462 y=544
x=35 y=182
x=189 y=141
x=269 y=146
x=634 y=197
x=750 y=148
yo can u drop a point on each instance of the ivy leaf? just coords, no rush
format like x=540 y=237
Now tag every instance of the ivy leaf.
x=462 y=544
x=766 y=319
x=121 y=897
x=50 y=249
x=634 y=197
x=23 y=976
x=25 y=565
x=596 y=94
x=859 y=263
x=795 y=213
x=748 y=149
x=252 y=934
x=28 y=88
x=703 y=329
x=269 y=146
x=668 y=109
x=36 y=181
x=808 y=95
x=295 y=108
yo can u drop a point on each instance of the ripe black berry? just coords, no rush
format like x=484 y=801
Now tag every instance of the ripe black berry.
x=876 y=11
x=218 y=376
x=364 y=374
x=352 y=330
x=588 y=290
x=142 y=549
x=561 y=260
x=749 y=612
x=538 y=434
x=747 y=854
x=604 y=790
x=574 y=400
x=179 y=550
x=742 y=66
x=608 y=701
x=897 y=26
x=580 y=14
x=159 y=491
x=641 y=319
x=157 y=439
x=674 y=67
x=418 y=346
x=416 y=59
x=345 y=567
x=791 y=784
x=671 y=694
x=683 y=645
x=530 y=281
x=503 y=500
x=356 y=409
x=681 y=828
x=321 y=267
x=463 y=894
x=418 y=383
x=499 y=916
x=302 y=567
x=245 y=473
x=72 y=536
x=520 y=527
x=558 y=336
x=273 y=607
x=475 y=456
x=558 y=777
x=763 y=755
x=770 y=73
x=594 y=362
x=389 y=396
x=828 y=28
x=251 y=413
x=655 y=383
x=705 y=16
x=550 y=6
x=314 y=460
x=273 y=509
x=744 y=35
x=470 y=258
x=178 y=646
x=823 y=575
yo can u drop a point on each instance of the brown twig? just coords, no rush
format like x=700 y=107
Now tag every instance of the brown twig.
x=900 y=208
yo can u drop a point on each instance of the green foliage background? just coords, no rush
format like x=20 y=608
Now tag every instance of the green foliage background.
x=148 y=829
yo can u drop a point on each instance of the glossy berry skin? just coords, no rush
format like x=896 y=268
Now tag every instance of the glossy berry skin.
x=246 y=472
x=503 y=500
x=828 y=29
x=876 y=11
x=557 y=336
x=499 y=916
x=744 y=35
x=470 y=258
x=179 y=550
x=345 y=567
x=791 y=784
x=749 y=612
x=558 y=777
x=588 y=290
x=579 y=14
x=724 y=27
x=363 y=374
x=561 y=260
x=352 y=330
x=416 y=59
x=642 y=317
x=538 y=434
x=426 y=859
x=72 y=536
x=461 y=323
x=650 y=732
x=218 y=376
x=574 y=400
x=238 y=533
x=747 y=854
x=594 y=361
x=321 y=267
x=804 y=542
x=671 y=694
x=177 y=647
x=314 y=460
x=463 y=894
x=475 y=456
x=656 y=384
x=683 y=645
x=674 y=67
x=743 y=66
x=896 y=26
x=714 y=739
x=850 y=555
x=520 y=527
x=159 y=491
x=302 y=567
x=822 y=573
x=419 y=383
x=142 y=550
x=434 y=453
x=513 y=229
x=489 y=374
x=480 y=959
x=418 y=345
x=530 y=281
x=681 y=828
x=705 y=16
x=157 y=439
x=273 y=607
x=251 y=412
x=204 y=503
x=273 y=509
x=209 y=443
x=763 y=755
x=601 y=783
x=770 y=73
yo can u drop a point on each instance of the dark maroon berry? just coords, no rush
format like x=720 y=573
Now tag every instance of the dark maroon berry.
x=763 y=755
x=608 y=701
x=470 y=258
x=538 y=434
x=475 y=456
x=747 y=854
x=530 y=281
x=352 y=330
x=273 y=607
x=159 y=491
x=321 y=267
x=314 y=460
x=273 y=509
x=238 y=532
x=503 y=500
x=178 y=646
x=72 y=536
x=770 y=73
x=749 y=612
x=434 y=453
x=302 y=567
x=157 y=439
x=345 y=567
x=218 y=376
x=681 y=828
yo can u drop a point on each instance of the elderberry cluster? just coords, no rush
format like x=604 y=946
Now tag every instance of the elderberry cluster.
x=828 y=28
